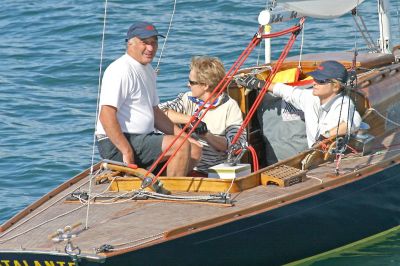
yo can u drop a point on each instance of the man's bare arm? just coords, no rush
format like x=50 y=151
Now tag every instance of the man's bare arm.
x=176 y=117
x=108 y=118
x=163 y=123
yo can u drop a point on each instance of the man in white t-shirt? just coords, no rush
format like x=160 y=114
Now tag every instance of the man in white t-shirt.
x=129 y=113
x=327 y=111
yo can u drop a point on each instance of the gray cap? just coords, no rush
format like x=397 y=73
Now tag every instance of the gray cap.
x=330 y=70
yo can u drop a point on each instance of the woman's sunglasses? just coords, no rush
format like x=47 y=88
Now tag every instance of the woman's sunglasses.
x=323 y=81
x=192 y=83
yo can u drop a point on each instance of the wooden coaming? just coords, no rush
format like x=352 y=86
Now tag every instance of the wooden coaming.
x=191 y=184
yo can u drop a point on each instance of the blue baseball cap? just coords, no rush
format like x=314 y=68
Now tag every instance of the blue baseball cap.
x=142 y=30
x=330 y=70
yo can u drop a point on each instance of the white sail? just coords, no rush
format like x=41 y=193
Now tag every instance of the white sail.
x=320 y=8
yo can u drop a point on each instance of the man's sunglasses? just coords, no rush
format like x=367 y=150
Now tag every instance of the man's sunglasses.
x=323 y=81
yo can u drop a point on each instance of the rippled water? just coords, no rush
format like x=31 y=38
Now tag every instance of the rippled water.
x=49 y=68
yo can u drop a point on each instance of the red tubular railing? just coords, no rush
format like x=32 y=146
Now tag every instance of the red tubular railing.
x=220 y=88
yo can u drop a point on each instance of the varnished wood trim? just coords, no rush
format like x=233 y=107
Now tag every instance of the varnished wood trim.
x=191 y=184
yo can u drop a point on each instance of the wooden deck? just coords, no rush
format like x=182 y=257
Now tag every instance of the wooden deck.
x=127 y=223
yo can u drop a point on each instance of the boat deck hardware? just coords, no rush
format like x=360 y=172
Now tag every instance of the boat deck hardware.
x=105 y=176
x=283 y=176
x=235 y=153
x=66 y=235
x=104 y=248
x=78 y=196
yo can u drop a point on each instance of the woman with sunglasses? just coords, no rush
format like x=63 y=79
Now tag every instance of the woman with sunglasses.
x=221 y=122
x=327 y=111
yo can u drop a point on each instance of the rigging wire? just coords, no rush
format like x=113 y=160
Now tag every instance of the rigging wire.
x=398 y=20
x=353 y=84
x=363 y=30
x=258 y=55
x=97 y=108
x=157 y=69
x=99 y=90
x=301 y=45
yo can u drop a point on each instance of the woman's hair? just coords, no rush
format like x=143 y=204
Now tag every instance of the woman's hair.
x=208 y=70
x=340 y=84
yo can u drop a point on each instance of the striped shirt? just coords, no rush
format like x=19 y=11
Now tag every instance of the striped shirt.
x=223 y=120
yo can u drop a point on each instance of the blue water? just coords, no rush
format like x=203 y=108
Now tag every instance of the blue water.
x=49 y=67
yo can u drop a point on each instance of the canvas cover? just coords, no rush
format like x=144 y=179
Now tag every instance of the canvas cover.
x=324 y=9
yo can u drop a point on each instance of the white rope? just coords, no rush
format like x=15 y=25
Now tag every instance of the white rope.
x=153 y=195
x=384 y=117
x=39 y=212
x=229 y=189
x=90 y=197
x=316 y=178
x=42 y=223
x=112 y=200
x=258 y=55
x=156 y=195
x=166 y=37
x=136 y=193
x=97 y=109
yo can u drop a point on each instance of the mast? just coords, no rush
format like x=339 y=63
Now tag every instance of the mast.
x=268 y=17
x=384 y=26
x=264 y=20
x=267 y=42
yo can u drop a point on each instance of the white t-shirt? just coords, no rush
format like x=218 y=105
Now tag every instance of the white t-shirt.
x=319 y=118
x=131 y=88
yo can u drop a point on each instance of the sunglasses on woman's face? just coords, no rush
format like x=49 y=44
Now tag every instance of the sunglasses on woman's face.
x=192 y=82
x=323 y=81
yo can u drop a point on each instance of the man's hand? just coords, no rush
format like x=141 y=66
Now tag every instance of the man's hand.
x=250 y=82
x=201 y=128
x=321 y=138
x=128 y=158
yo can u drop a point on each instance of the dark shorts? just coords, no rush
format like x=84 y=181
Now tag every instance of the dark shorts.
x=147 y=148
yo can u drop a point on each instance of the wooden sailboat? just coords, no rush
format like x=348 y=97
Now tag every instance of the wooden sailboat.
x=293 y=209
